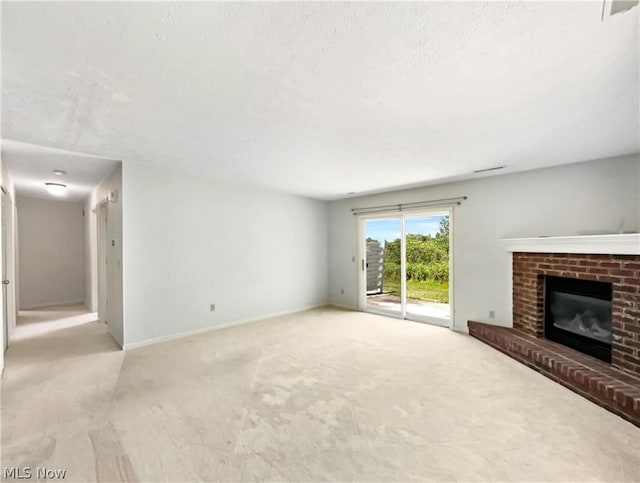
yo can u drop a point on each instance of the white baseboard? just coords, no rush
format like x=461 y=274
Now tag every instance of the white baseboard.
x=53 y=304
x=202 y=330
x=461 y=330
x=344 y=307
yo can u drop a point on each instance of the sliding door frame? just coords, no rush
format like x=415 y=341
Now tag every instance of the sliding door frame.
x=362 y=255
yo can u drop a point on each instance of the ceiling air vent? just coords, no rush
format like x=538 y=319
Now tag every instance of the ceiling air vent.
x=495 y=168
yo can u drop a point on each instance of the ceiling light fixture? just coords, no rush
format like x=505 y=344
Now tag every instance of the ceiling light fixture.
x=56 y=189
x=59 y=172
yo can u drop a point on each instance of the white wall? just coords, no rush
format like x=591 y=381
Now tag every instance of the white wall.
x=190 y=242
x=51 y=241
x=585 y=198
x=115 y=321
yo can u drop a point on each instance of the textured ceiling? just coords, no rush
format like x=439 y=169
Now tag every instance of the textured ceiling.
x=321 y=99
x=32 y=166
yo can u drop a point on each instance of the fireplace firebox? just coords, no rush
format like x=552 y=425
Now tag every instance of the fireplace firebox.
x=578 y=314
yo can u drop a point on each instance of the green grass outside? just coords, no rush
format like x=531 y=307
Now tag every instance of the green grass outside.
x=428 y=290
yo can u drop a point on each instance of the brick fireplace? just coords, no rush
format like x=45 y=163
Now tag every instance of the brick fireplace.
x=610 y=261
x=622 y=271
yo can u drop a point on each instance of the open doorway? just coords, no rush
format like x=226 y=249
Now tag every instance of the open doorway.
x=407 y=266
x=104 y=258
x=104 y=253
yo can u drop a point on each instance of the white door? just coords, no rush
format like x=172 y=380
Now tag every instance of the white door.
x=101 y=214
x=6 y=205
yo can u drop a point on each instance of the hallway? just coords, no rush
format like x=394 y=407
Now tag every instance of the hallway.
x=42 y=321
x=53 y=335
x=59 y=361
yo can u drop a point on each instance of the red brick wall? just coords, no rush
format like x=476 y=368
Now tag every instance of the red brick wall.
x=622 y=271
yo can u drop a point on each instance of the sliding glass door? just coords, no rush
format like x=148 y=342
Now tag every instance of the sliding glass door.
x=406 y=264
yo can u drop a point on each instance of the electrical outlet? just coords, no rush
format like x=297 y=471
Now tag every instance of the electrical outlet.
x=212 y=307
x=341 y=291
x=492 y=314
x=353 y=259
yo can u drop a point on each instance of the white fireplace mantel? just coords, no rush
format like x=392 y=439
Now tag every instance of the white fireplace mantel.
x=618 y=244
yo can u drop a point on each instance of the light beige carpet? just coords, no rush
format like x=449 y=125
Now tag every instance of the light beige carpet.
x=325 y=395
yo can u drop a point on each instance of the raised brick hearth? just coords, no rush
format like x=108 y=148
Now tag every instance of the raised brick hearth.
x=615 y=385
x=616 y=390
x=622 y=271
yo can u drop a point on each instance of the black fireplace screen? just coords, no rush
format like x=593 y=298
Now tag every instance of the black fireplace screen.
x=578 y=315
x=582 y=315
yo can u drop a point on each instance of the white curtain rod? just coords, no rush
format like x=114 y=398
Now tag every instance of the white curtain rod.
x=409 y=206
